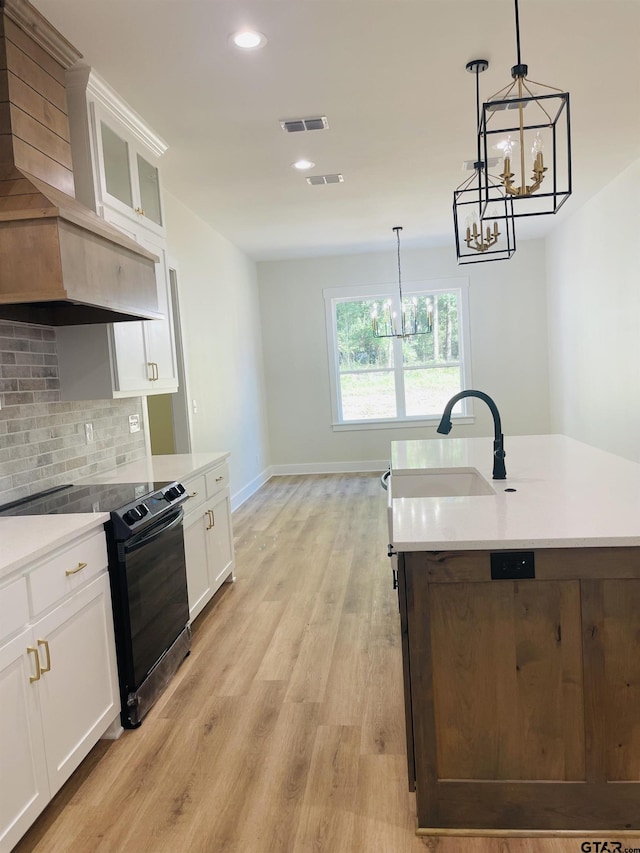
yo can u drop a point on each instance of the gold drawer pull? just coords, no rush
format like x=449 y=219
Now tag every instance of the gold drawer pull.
x=78 y=568
x=139 y=211
x=35 y=677
x=193 y=494
x=218 y=479
x=45 y=643
x=211 y=519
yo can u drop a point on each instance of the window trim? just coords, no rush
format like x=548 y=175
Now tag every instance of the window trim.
x=334 y=295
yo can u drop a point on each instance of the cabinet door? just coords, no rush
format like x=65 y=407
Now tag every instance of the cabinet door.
x=220 y=541
x=149 y=189
x=196 y=557
x=79 y=696
x=128 y=352
x=129 y=180
x=24 y=788
x=114 y=164
x=159 y=339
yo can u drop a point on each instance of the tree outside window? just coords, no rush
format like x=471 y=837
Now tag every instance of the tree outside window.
x=395 y=378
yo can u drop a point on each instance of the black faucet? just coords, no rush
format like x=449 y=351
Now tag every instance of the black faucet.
x=444 y=427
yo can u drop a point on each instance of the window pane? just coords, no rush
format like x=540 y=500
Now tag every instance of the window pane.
x=368 y=394
x=358 y=349
x=149 y=190
x=428 y=390
x=441 y=344
x=116 y=165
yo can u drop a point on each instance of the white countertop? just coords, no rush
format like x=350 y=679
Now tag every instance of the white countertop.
x=151 y=469
x=24 y=539
x=28 y=537
x=568 y=495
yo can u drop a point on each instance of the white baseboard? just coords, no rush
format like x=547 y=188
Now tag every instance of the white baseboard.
x=251 y=488
x=305 y=468
x=330 y=467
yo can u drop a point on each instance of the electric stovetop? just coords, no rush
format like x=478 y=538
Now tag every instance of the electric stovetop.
x=65 y=499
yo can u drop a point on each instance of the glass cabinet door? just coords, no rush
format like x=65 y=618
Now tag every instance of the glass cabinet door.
x=149 y=190
x=117 y=174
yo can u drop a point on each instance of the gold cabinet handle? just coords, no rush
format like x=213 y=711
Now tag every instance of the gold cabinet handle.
x=154 y=375
x=193 y=494
x=211 y=519
x=77 y=569
x=218 y=479
x=139 y=211
x=155 y=367
x=35 y=677
x=45 y=643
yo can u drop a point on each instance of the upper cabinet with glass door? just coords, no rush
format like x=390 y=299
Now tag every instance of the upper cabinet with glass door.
x=129 y=179
x=124 y=152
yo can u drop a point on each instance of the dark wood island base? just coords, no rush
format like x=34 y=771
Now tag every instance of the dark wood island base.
x=522 y=696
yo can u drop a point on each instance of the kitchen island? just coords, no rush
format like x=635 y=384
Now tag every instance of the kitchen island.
x=520 y=619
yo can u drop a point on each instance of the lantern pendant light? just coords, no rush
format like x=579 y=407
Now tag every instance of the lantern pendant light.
x=479 y=236
x=527 y=125
x=408 y=317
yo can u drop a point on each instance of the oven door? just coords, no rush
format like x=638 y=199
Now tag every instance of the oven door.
x=153 y=606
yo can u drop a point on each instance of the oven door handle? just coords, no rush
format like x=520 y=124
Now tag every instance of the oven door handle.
x=142 y=539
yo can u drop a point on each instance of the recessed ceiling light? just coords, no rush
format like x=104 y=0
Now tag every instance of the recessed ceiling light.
x=303 y=164
x=248 y=39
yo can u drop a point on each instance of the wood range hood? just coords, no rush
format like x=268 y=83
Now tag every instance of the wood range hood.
x=60 y=263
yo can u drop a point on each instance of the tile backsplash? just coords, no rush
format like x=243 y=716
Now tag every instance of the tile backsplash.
x=43 y=441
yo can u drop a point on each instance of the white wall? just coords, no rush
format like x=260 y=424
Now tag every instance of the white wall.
x=219 y=308
x=508 y=348
x=594 y=319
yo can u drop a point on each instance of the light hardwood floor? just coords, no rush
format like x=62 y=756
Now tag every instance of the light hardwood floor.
x=284 y=729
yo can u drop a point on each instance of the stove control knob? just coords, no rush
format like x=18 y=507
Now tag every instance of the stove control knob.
x=142 y=509
x=132 y=515
x=181 y=489
x=172 y=493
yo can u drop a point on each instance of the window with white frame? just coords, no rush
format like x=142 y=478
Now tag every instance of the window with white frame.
x=382 y=381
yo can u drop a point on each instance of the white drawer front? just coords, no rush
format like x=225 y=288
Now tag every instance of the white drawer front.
x=14 y=607
x=196 y=489
x=217 y=479
x=67 y=570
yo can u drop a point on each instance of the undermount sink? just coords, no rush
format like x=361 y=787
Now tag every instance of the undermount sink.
x=463 y=482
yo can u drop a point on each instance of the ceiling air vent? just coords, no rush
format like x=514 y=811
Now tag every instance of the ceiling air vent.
x=316 y=180
x=298 y=124
x=469 y=165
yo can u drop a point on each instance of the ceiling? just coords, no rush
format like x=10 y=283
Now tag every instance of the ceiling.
x=390 y=77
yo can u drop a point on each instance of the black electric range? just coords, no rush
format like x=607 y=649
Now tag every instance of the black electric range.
x=119 y=499
x=147 y=572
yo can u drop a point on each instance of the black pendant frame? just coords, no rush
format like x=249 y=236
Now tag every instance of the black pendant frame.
x=469 y=205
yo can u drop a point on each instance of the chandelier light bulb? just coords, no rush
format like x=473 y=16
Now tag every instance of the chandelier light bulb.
x=507 y=148
x=538 y=145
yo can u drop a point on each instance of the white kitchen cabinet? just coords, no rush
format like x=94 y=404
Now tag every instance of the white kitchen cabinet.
x=24 y=783
x=115 y=159
x=116 y=155
x=127 y=173
x=208 y=535
x=58 y=676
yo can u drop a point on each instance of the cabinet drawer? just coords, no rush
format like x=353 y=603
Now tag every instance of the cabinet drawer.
x=217 y=479
x=67 y=570
x=197 y=490
x=14 y=607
